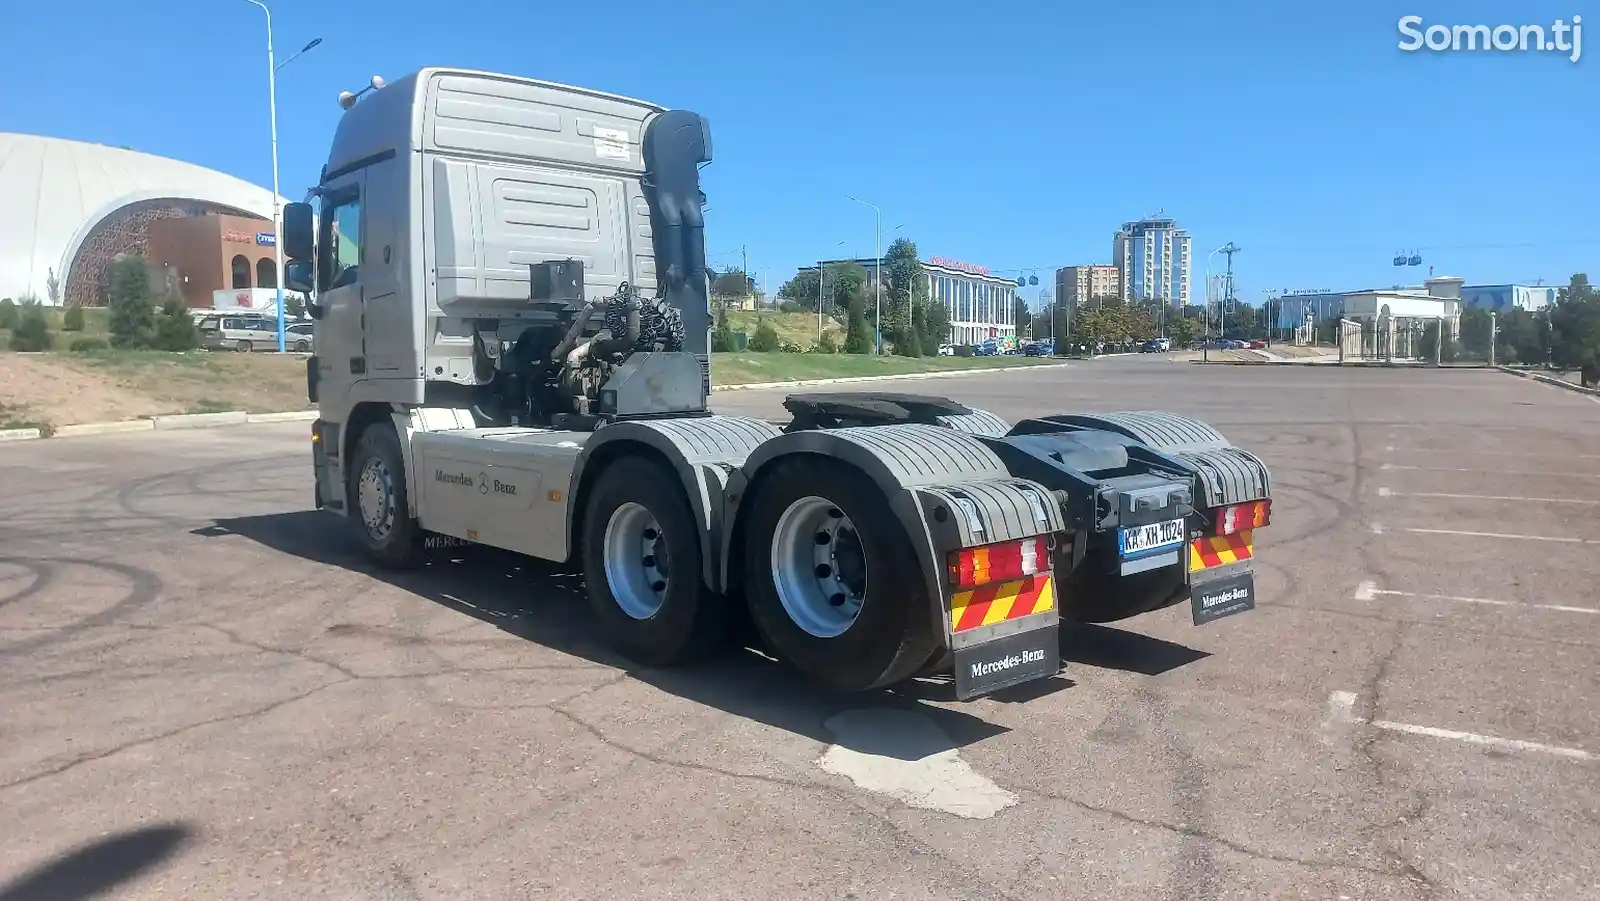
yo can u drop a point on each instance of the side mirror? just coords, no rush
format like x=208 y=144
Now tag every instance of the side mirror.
x=299 y=231
x=297 y=275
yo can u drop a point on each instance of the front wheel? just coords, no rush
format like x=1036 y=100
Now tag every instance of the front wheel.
x=835 y=585
x=378 y=503
x=244 y=347
x=642 y=565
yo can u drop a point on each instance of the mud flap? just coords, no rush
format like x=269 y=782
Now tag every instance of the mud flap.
x=1010 y=660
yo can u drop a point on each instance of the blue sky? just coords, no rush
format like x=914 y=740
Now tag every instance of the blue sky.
x=1012 y=135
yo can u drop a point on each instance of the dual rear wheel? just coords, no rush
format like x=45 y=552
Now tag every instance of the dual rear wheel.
x=832 y=583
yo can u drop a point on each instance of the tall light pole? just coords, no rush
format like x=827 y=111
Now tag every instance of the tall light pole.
x=877 y=244
x=277 y=208
x=1205 y=342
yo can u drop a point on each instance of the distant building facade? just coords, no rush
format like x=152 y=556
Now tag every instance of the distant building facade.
x=1077 y=285
x=1505 y=298
x=1154 y=260
x=213 y=253
x=980 y=305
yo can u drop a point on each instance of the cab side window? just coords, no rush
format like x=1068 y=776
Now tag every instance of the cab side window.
x=341 y=245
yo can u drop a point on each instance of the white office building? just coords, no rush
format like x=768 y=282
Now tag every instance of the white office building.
x=1155 y=261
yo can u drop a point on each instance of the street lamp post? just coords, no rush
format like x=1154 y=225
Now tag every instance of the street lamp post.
x=877 y=244
x=1205 y=340
x=277 y=208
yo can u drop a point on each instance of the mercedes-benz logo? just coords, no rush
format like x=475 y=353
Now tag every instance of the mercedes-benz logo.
x=483 y=483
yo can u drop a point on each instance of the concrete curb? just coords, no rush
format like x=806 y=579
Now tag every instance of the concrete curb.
x=293 y=416
x=1559 y=383
x=104 y=428
x=884 y=378
x=20 y=434
x=199 y=420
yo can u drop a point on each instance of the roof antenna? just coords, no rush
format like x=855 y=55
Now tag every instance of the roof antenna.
x=348 y=100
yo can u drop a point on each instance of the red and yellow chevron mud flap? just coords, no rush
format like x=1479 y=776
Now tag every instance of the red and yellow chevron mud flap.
x=1004 y=634
x=1221 y=579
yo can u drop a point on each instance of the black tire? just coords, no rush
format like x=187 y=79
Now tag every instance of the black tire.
x=399 y=544
x=301 y=347
x=1095 y=594
x=244 y=347
x=894 y=634
x=692 y=621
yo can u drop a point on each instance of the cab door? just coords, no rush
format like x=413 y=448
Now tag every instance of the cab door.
x=341 y=351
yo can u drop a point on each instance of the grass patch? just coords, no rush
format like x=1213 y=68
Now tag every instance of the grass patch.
x=16 y=417
x=207 y=405
x=752 y=368
x=794 y=328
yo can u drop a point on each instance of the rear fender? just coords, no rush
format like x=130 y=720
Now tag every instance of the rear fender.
x=705 y=452
x=947 y=489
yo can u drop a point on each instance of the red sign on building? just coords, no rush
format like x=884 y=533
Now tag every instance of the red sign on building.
x=957 y=264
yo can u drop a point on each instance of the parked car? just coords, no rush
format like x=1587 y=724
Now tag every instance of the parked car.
x=299 y=338
x=947 y=350
x=242 y=332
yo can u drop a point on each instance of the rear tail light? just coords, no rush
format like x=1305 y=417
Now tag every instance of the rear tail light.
x=1241 y=517
x=1007 y=560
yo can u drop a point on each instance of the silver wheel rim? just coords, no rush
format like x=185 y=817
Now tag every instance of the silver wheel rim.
x=375 y=498
x=636 y=561
x=819 y=567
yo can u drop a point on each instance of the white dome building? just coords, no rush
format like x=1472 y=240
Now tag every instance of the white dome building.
x=67 y=208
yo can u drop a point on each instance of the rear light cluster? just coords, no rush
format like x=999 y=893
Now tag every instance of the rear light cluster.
x=1241 y=517
x=1005 y=561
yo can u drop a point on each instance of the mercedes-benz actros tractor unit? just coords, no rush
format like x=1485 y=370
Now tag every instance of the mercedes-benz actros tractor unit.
x=512 y=335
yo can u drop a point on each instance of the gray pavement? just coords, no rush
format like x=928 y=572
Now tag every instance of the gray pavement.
x=208 y=695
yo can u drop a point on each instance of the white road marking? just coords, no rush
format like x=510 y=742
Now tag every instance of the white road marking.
x=1368 y=591
x=1389 y=492
x=906 y=756
x=1502 y=472
x=1341 y=712
x=1556 y=538
x=1377 y=528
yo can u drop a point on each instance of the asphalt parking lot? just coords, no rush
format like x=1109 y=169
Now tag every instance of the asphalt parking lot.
x=208 y=695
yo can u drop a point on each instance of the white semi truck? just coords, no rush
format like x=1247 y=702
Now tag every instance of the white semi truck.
x=512 y=333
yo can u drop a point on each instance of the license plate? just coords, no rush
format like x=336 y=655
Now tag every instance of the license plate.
x=1136 y=541
x=1014 y=659
x=1212 y=600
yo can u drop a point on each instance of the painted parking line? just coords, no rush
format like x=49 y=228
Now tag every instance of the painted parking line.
x=1341 y=712
x=1390 y=492
x=1369 y=591
x=1560 y=539
x=1501 y=472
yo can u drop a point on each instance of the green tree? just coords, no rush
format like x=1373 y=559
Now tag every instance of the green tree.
x=72 y=319
x=1575 y=328
x=293 y=306
x=1521 y=338
x=32 y=332
x=173 y=328
x=828 y=345
x=1022 y=316
x=722 y=334
x=131 y=306
x=1475 y=328
x=858 y=334
x=733 y=282
x=1182 y=330
x=8 y=313
x=765 y=339
x=801 y=289
x=933 y=325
